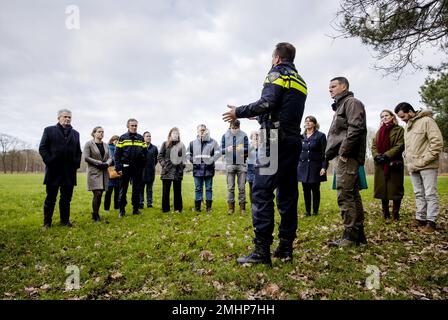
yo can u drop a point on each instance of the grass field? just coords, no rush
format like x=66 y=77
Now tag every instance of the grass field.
x=192 y=255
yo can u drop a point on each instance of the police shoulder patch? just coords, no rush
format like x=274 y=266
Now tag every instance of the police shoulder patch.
x=272 y=76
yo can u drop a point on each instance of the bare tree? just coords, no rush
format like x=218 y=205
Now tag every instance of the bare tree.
x=7 y=144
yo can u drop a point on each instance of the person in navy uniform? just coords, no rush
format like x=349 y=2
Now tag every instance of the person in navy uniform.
x=280 y=108
x=311 y=170
x=61 y=152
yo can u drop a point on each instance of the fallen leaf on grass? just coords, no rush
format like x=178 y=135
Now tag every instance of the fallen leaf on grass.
x=206 y=255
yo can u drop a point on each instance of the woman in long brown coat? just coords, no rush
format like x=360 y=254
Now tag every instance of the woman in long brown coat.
x=387 y=149
x=96 y=154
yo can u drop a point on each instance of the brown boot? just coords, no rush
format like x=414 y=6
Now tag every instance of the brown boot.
x=243 y=208
x=231 y=206
x=430 y=227
x=418 y=223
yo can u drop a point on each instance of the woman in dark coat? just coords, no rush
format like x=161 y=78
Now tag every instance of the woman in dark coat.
x=311 y=170
x=387 y=149
x=172 y=159
x=114 y=184
x=96 y=154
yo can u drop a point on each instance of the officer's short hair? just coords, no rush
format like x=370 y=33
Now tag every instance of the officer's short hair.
x=405 y=107
x=342 y=80
x=234 y=124
x=201 y=125
x=60 y=112
x=285 y=51
x=146 y=133
x=131 y=120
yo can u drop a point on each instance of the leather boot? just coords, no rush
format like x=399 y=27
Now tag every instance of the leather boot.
x=243 y=207
x=396 y=210
x=348 y=239
x=430 y=227
x=260 y=254
x=284 y=250
x=361 y=236
x=48 y=214
x=197 y=206
x=385 y=206
x=208 y=204
x=231 y=206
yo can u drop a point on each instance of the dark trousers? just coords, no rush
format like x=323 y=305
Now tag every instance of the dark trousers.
x=177 y=190
x=64 y=203
x=349 y=199
x=108 y=197
x=285 y=182
x=148 y=186
x=311 y=190
x=136 y=175
x=96 y=202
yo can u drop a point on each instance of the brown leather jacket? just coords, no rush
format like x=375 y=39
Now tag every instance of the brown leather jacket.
x=348 y=131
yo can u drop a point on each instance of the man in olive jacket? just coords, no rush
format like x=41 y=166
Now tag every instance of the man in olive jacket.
x=423 y=144
x=347 y=142
x=61 y=151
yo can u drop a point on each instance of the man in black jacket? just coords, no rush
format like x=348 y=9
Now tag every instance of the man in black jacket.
x=61 y=151
x=279 y=111
x=130 y=155
x=149 y=171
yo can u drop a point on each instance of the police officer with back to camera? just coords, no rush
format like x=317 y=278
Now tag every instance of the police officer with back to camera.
x=280 y=107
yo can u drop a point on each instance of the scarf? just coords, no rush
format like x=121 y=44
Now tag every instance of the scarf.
x=383 y=142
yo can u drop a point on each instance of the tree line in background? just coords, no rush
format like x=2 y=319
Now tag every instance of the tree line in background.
x=18 y=157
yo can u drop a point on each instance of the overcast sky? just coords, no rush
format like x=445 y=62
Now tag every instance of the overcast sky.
x=174 y=63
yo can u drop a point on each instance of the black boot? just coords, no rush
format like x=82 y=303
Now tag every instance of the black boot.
x=48 y=214
x=396 y=209
x=284 y=250
x=208 y=204
x=136 y=211
x=96 y=217
x=385 y=206
x=361 y=236
x=261 y=254
x=197 y=205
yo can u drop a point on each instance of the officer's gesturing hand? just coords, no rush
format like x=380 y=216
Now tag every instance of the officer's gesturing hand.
x=229 y=115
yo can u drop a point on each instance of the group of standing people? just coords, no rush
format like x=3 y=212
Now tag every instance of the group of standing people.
x=303 y=158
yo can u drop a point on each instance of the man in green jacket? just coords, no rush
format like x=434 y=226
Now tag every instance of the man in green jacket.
x=423 y=144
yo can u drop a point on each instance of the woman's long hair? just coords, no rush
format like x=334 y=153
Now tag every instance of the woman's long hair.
x=395 y=121
x=169 y=142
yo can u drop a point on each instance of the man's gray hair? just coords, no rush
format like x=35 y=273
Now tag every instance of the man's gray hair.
x=60 y=112
x=201 y=125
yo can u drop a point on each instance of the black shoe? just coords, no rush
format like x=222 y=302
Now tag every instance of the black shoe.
x=284 y=250
x=67 y=224
x=208 y=204
x=307 y=214
x=136 y=211
x=361 y=236
x=46 y=227
x=197 y=206
x=141 y=206
x=260 y=255
x=149 y=205
x=121 y=214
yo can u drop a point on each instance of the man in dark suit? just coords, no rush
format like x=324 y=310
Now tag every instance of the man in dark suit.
x=61 y=151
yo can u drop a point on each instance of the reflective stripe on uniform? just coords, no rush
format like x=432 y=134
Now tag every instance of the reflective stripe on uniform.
x=126 y=143
x=289 y=82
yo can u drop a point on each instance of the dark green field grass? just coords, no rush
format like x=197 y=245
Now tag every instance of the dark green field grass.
x=192 y=255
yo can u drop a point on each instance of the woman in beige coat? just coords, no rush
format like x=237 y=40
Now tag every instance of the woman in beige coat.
x=96 y=154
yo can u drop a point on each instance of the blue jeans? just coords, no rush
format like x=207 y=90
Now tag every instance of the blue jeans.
x=199 y=185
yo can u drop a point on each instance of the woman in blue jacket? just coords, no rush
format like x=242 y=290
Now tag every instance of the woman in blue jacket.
x=312 y=164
